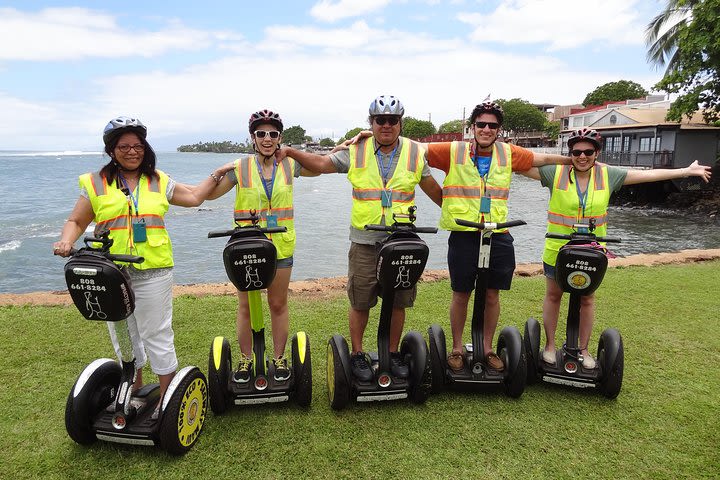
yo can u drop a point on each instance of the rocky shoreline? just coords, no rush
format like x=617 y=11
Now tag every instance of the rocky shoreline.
x=333 y=287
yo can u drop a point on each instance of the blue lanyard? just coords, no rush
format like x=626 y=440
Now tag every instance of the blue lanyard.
x=135 y=198
x=271 y=182
x=385 y=171
x=582 y=196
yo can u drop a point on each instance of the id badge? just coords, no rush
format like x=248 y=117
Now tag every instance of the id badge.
x=272 y=221
x=484 y=204
x=139 y=232
x=386 y=198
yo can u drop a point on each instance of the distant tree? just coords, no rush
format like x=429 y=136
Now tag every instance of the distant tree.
x=414 y=128
x=308 y=138
x=351 y=133
x=453 y=126
x=327 y=142
x=552 y=129
x=615 y=92
x=521 y=116
x=217 y=147
x=694 y=69
x=662 y=47
x=294 y=135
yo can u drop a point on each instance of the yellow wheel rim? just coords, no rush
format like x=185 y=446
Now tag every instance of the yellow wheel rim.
x=192 y=412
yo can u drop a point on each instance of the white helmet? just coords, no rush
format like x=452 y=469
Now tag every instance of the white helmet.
x=119 y=125
x=386 y=105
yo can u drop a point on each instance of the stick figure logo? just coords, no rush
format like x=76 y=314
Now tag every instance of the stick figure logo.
x=92 y=305
x=403 y=277
x=252 y=277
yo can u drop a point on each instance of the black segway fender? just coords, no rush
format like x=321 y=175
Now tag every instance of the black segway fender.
x=415 y=350
x=219 y=371
x=302 y=369
x=612 y=343
x=94 y=389
x=438 y=357
x=513 y=344
x=339 y=381
x=510 y=348
x=532 y=348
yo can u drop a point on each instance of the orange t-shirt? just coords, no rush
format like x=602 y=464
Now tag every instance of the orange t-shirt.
x=438 y=156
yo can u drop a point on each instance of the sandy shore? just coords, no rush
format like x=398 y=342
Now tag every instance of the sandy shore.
x=328 y=287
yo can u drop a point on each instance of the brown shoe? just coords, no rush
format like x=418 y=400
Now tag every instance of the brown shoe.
x=456 y=362
x=494 y=362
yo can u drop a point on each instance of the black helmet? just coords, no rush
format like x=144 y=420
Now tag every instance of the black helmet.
x=487 y=107
x=585 y=134
x=264 y=116
x=120 y=125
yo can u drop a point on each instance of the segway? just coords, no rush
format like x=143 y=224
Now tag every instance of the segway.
x=101 y=404
x=250 y=260
x=579 y=271
x=476 y=375
x=401 y=259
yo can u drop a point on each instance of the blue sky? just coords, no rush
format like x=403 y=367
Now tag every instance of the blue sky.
x=194 y=71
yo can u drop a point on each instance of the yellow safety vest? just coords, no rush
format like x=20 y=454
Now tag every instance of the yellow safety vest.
x=367 y=182
x=463 y=187
x=250 y=195
x=564 y=209
x=112 y=211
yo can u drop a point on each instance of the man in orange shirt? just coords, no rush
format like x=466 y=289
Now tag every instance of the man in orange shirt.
x=483 y=164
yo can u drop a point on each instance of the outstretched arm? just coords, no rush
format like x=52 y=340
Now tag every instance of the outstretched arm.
x=310 y=161
x=533 y=173
x=540 y=159
x=656 y=175
x=214 y=186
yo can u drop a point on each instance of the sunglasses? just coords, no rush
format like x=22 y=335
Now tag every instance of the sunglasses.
x=577 y=153
x=492 y=125
x=392 y=120
x=274 y=134
x=139 y=148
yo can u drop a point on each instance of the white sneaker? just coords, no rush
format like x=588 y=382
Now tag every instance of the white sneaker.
x=588 y=362
x=548 y=356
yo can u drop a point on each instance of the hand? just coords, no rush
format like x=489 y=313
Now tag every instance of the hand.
x=225 y=169
x=697 y=170
x=362 y=134
x=62 y=248
x=281 y=153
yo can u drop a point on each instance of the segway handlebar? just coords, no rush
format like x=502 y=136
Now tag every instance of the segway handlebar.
x=397 y=227
x=579 y=236
x=227 y=233
x=113 y=257
x=490 y=225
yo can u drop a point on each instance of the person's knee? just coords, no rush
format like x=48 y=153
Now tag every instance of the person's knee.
x=277 y=306
x=492 y=298
x=587 y=301
x=461 y=298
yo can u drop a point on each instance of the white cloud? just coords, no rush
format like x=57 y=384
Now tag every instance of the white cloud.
x=58 y=34
x=329 y=11
x=562 y=24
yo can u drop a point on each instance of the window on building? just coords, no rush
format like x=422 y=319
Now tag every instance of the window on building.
x=612 y=144
x=649 y=144
x=626 y=143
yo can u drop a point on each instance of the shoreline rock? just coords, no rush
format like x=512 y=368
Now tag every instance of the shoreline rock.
x=335 y=286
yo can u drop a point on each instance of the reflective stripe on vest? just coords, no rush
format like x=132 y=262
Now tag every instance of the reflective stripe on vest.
x=564 y=209
x=250 y=195
x=463 y=187
x=364 y=175
x=111 y=210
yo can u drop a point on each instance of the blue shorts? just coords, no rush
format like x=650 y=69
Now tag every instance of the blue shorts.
x=285 y=262
x=549 y=270
x=463 y=252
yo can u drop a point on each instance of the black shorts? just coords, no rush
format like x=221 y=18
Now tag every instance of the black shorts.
x=463 y=260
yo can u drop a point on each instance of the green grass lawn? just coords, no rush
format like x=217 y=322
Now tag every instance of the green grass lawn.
x=664 y=424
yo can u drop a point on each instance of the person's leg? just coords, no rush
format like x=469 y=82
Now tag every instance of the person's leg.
x=277 y=294
x=397 y=323
x=242 y=325
x=358 y=323
x=551 y=312
x=362 y=293
x=490 y=319
x=458 y=316
x=587 y=317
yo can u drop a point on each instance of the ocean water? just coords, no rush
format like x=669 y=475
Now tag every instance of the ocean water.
x=38 y=191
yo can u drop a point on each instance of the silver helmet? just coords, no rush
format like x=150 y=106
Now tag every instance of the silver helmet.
x=119 y=125
x=386 y=105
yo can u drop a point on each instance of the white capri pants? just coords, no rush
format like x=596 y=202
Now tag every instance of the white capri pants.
x=151 y=325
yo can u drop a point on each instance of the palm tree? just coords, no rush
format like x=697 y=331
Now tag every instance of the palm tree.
x=661 y=34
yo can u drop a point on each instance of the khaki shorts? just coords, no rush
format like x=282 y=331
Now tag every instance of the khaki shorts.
x=363 y=289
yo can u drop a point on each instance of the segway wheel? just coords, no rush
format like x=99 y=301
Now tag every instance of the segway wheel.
x=302 y=369
x=531 y=342
x=338 y=381
x=219 y=371
x=611 y=357
x=97 y=393
x=183 y=418
x=512 y=352
x=438 y=356
x=414 y=349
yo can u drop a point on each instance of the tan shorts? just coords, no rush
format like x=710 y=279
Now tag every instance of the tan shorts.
x=363 y=289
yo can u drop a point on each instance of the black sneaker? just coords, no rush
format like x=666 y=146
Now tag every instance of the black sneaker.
x=397 y=366
x=361 y=367
x=282 y=372
x=242 y=374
